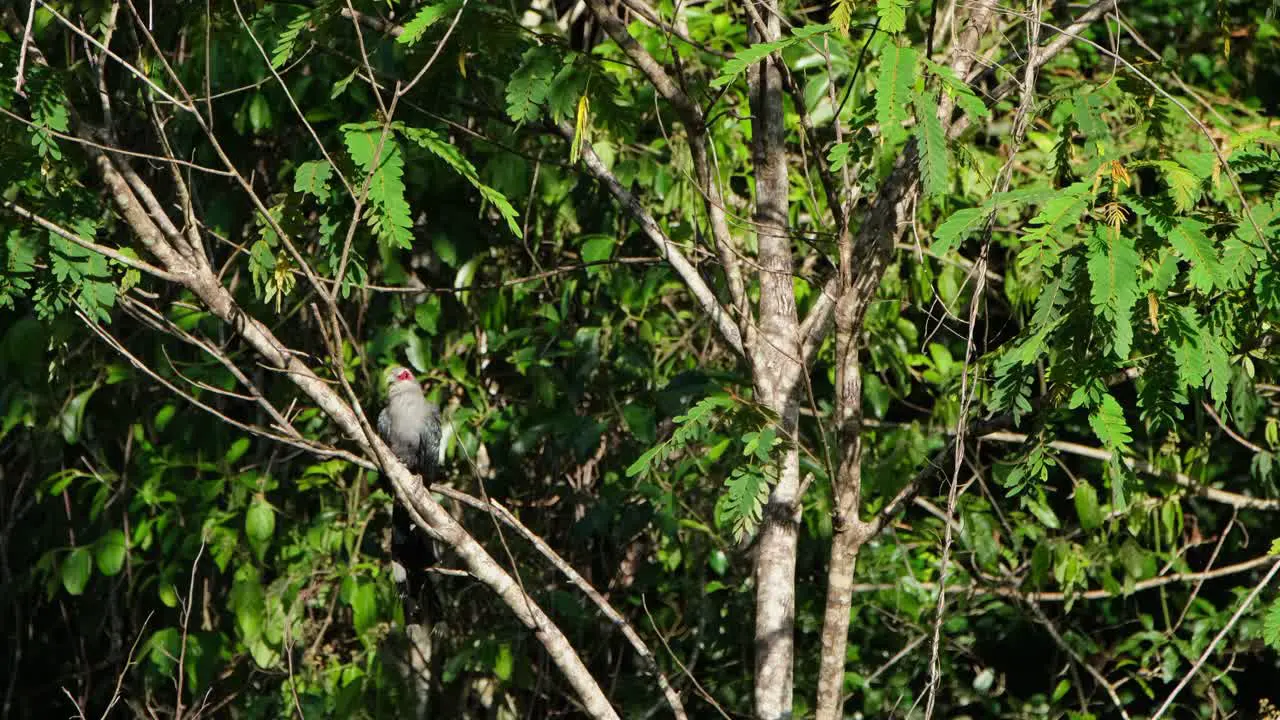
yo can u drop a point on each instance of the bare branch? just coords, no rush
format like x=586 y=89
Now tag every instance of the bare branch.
x=1223 y=497
x=706 y=175
x=103 y=250
x=619 y=621
x=666 y=248
x=1235 y=617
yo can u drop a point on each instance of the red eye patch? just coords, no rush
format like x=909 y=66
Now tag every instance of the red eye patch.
x=404 y=375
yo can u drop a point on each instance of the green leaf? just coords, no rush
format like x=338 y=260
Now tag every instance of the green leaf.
x=426 y=17
x=364 y=607
x=745 y=58
x=1058 y=216
x=1087 y=108
x=839 y=155
x=1042 y=512
x=1239 y=259
x=1189 y=239
x=1218 y=359
x=893 y=15
x=287 y=43
x=75 y=571
x=1187 y=337
x=312 y=178
x=1054 y=295
x=340 y=86
x=236 y=451
x=1060 y=690
x=71 y=419
x=755 y=53
x=743 y=502
x=247 y=600
x=598 y=248
x=164 y=416
x=932 y=142
x=388 y=211
x=969 y=103
x=1087 y=509
x=528 y=86
x=841 y=15
x=427 y=315
x=260 y=118
x=504 y=663
x=163 y=649
x=1113 y=269
x=1271 y=625
x=1109 y=425
x=642 y=423
x=718 y=562
x=642 y=463
x=893 y=91
x=1184 y=186
x=957 y=228
x=1266 y=284
x=260 y=520
x=432 y=142
x=109 y=552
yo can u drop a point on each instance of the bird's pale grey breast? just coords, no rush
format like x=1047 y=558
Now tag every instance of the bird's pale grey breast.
x=411 y=426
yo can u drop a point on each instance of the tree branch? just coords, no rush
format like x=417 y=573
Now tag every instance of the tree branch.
x=1223 y=497
x=702 y=292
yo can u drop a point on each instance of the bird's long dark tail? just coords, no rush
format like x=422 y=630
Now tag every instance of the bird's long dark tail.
x=413 y=551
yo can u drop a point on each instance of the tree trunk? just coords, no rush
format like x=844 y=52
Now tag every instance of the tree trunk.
x=775 y=356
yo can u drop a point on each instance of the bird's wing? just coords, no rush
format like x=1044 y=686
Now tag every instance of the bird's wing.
x=384 y=424
x=429 y=441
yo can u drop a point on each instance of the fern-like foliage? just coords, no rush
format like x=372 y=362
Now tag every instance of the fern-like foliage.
x=432 y=142
x=893 y=91
x=377 y=152
x=1087 y=112
x=1271 y=624
x=312 y=178
x=1266 y=284
x=1051 y=232
x=1109 y=425
x=758 y=52
x=747 y=486
x=959 y=226
x=842 y=15
x=1113 y=270
x=741 y=506
x=1031 y=470
x=287 y=42
x=932 y=142
x=1188 y=237
x=1184 y=186
x=1200 y=351
x=424 y=19
x=528 y=86
x=688 y=426
x=1058 y=289
x=892 y=14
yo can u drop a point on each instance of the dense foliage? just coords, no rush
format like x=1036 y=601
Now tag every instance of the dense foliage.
x=1085 y=289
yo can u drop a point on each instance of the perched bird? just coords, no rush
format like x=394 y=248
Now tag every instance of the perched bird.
x=410 y=425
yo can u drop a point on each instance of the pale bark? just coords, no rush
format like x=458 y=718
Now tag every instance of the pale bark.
x=775 y=357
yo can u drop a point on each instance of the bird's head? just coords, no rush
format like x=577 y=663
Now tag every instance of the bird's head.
x=397 y=375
